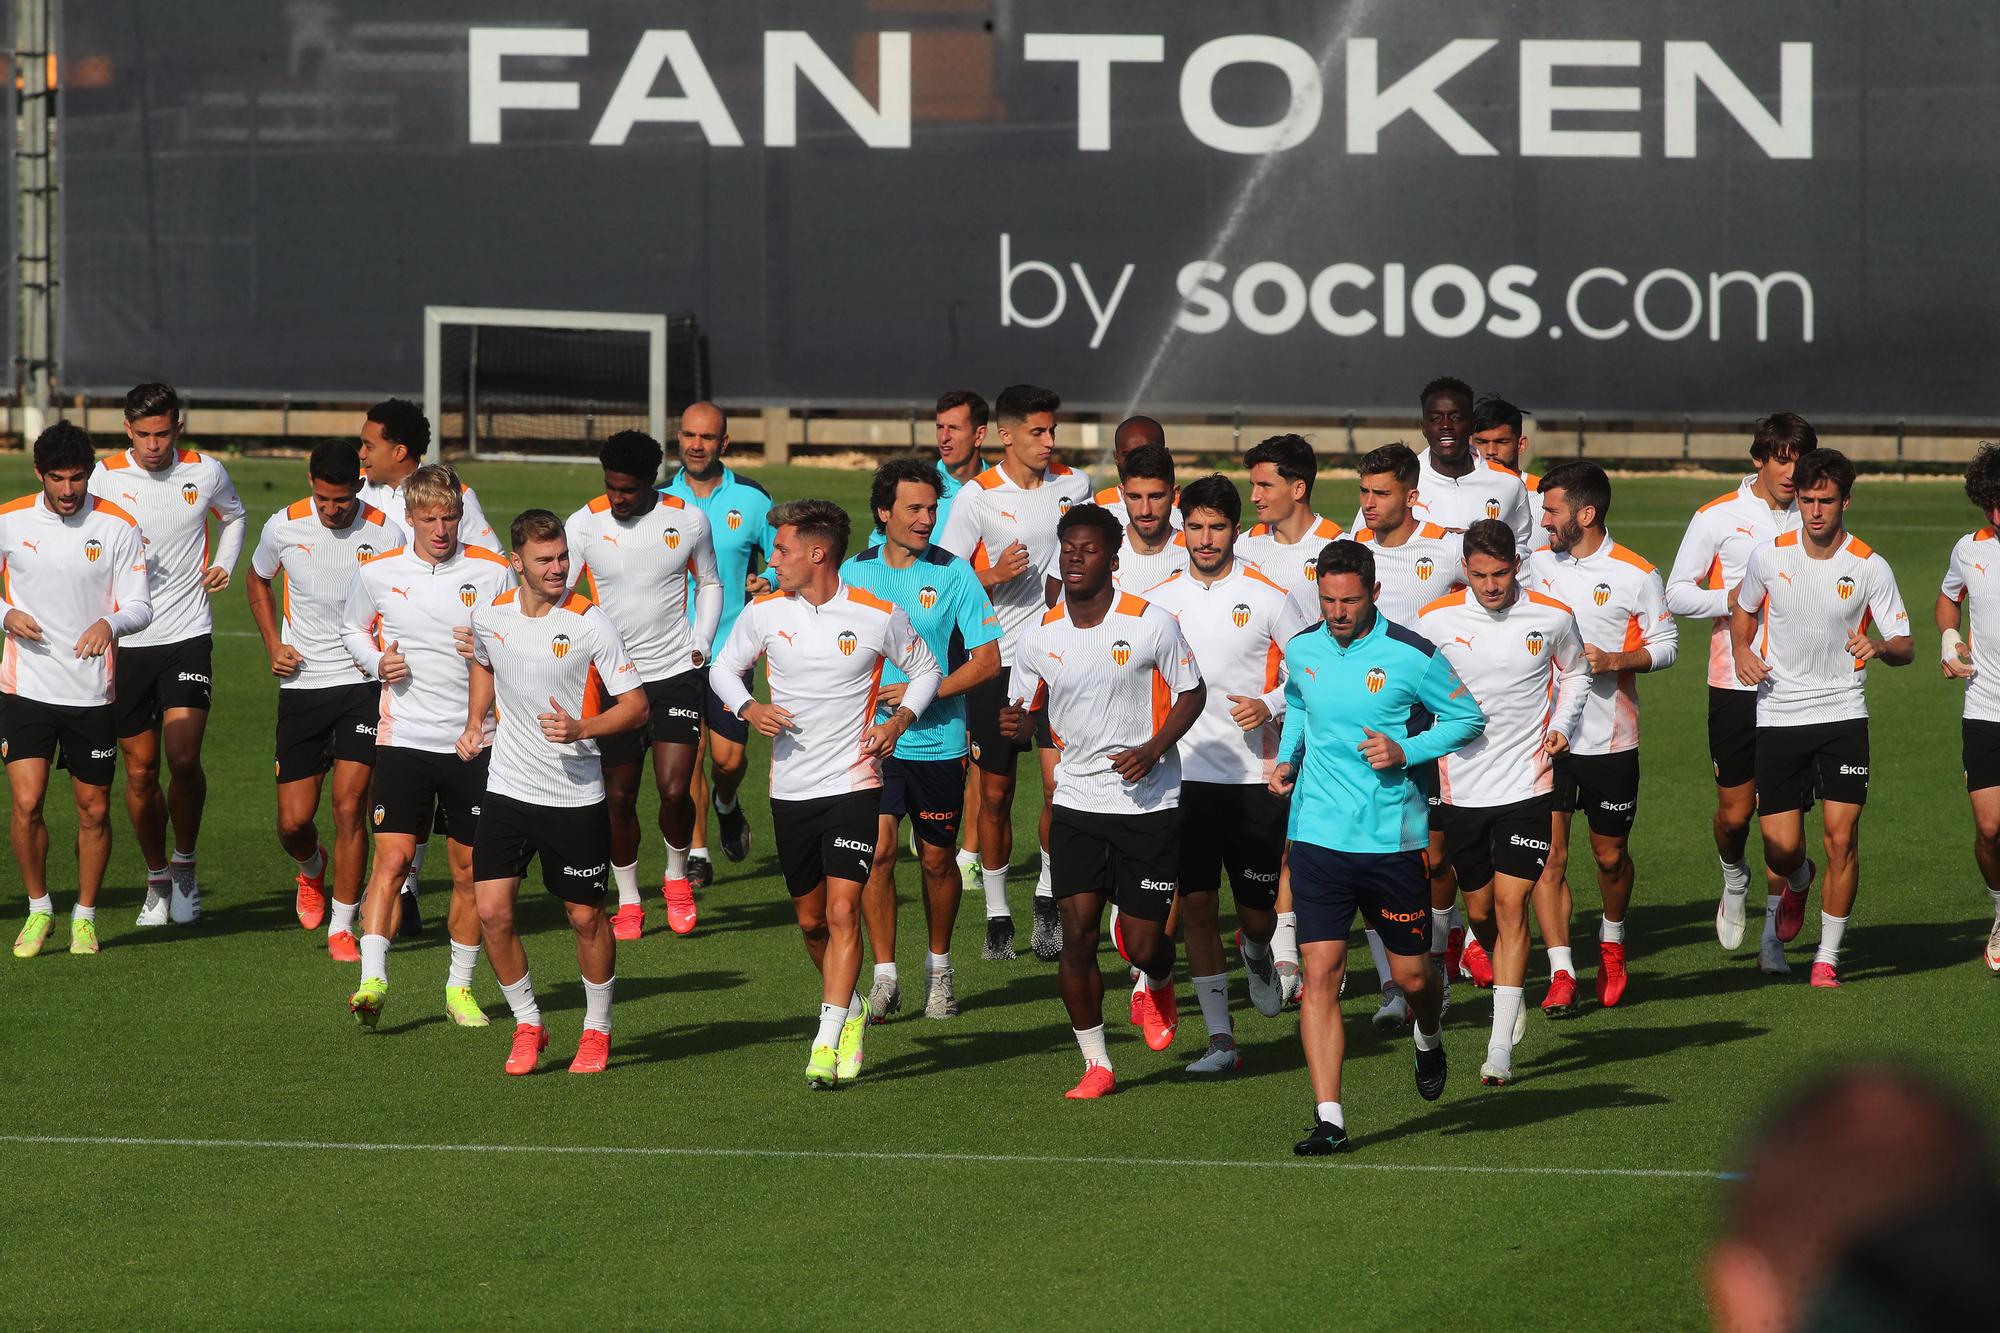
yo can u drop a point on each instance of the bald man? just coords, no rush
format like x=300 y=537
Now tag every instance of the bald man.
x=735 y=507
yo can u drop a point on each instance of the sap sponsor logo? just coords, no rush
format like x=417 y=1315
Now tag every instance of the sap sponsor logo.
x=1854 y=770
x=1517 y=840
x=584 y=872
x=1159 y=885
x=192 y=677
x=853 y=845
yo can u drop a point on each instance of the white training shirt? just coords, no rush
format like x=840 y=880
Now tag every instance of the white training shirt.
x=1137 y=570
x=172 y=508
x=318 y=565
x=1972 y=579
x=638 y=572
x=571 y=654
x=824 y=664
x=1620 y=605
x=1237 y=627
x=400 y=598
x=69 y=573
x=990 y=514
x=1487 y=491
x=1107 y=688
x=473 y=527
x=1525 y=667
x=1113 y=499
x=1287 y=564
x=1424 y=568
x=1538 y=536
x=1710 y=564
x=1806 y=610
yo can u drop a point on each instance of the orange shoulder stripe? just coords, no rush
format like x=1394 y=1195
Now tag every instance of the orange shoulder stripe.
x=481 y=553
x=1053 y=614
x=304 y=508
x=1787 y=538
x=1107 y=496
x=1541 y=599
x=505 y=599
x=1631 y=557
x=381 y=555
x=575 y=603
x=1454 y=598
x=121 y=459
x=1433 y=531
x=989 y=479
x=763 y=597
x=600 y=504
x=16 y=506
x=1860 y=549
x=1130 y=604
x=1718 y=500
x=1263 y=578
x=107 y=507
x=866 y=598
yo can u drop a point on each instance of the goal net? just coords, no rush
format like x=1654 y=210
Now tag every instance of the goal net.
x=542 y=384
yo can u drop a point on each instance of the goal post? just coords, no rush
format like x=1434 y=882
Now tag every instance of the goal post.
x=541 y=385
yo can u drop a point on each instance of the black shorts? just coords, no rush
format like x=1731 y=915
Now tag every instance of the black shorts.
x=1391 y=890
x=150 y=680
x=990 y=750
x=1489 y=840
x=719 y=719
x=1732 y=735
x=1237 y=827
x=677 y=705
x=1980 y=752
x=1604 y=786
x=573 y=842
x=1135 y=858
x=317 y=727
x=82 y=740
x=411 y=784
x=1824 y=760
x=828 y=837
x=931 y=792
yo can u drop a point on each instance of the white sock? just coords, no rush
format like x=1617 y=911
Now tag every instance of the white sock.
x=44 y=904
x=464 y=959
x=1285 y=939
x=1091 y=1042
x=180 y=858
x=1440 y=929
x=697 y=853
x=315 y=865
x=1381 y=957
x=340 y=917
x=1044 y=888
x=996 y=891
x=677 y=862
x=416 y=868
x=1801 y=879
x=521 y=999
x=1735 y=877
x=937 y=962
x=1611 y=932
x=1995 y=895
x=966 y=860
x=831 y=1016
x=886 y=970
x=1506 y=1008
x=1254 y=951
x=1771 y=901
x=627 y=880
x=161 y=877
x=1426 y=1041
x=1214 y=995
x=853 y=1006
x=1561 y=959
x=723 y=807
x=374 y=957
x=597 y=1004
x=1831 y=928
x=1163 y=983
x=82 y=913
x=1330 y=1112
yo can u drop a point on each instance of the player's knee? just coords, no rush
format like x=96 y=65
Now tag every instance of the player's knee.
x=184 y=766
x=1841 y=844
x=93 y=808
x=28 y=810
x=675 y=790
x=1322 y=971
x=1610 y=861
x=142 y=775
x=291 y=830
x=496 y=914
x=347 y=811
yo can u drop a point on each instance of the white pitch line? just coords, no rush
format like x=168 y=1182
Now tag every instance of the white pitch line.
x=836 y=1154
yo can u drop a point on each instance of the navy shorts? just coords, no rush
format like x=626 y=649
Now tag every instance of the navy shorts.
x=930 y=792
x=1391 y=891
x=719 y=719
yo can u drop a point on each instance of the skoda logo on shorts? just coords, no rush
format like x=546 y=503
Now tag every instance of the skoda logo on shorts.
x=190 y=493
x=379 y=813
x=93 y=549
x=734 y=518
x=1121 y=652
x=1845 y=587
x=1426 y=567
x=847 y=642
x=1534 y=642
x=1377 y=678
x=672 y=537
x=559 y=645
x=927 y=597
x=1239 y=614
x=1601 y=593
x=1492 y=507
x=467 y=593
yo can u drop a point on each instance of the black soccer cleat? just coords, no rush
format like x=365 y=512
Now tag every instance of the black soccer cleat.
x=413 y=921
x=1000 y=939
x=735 y=834
x=1047 y=937
x=1431 y=1071
x=700 y=872
x=1324 y=1140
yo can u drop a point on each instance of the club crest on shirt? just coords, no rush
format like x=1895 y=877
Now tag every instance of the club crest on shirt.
x=1845 y=587
x=190 y=493
x=559 y=645
x=467 y=593
x=1376 y=679
x=847 y=642
x=364 y=551
x=1310 y=569
x=1492 y=507
x=1062 y=505
x=1425 y=567
x=380 y=813
x=1601 y=593
x=927 y=597
x=672 y=537
x=1534 y=642
x=1121 y=652
x=734 y=518
x=93 y=549
x=1239 y=614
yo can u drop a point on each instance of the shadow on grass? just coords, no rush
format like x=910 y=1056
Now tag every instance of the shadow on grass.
x=1471 y=1109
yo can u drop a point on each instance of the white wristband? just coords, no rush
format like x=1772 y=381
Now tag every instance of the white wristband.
x=1948 y=650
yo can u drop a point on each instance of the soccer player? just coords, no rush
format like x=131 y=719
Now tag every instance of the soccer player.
x=1706 y=570
x=925 y=778
x=408 y=624
x=1798 y=625
x=639 y=548
x=76 y=581
x=1522 y=656
x=1151 y=551
x=961 y=419
x=1120 y=687
x=1353 y=686
x=1237 y=622
x=1004 y=523
x=1620 y=606
x=825 y=645
x=1972 y=582
x=543 y=659
x=326 y=712
x=1133 y=433
x=163 y=672
x=737 y=510
x=1456 y=486
x=1498 y=434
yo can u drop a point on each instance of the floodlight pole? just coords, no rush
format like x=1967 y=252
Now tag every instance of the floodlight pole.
x=35 y=186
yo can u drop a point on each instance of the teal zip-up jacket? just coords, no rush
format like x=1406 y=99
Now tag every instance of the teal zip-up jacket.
x=1389 y=680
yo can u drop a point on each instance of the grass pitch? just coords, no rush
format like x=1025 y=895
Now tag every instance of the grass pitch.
x=290 y=1169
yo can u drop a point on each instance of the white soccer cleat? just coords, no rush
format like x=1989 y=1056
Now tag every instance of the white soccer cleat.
x=1290 y=983
x=1267 y=995
x=1729 y=920
x=1771 y=959
x=1498 y=1071
x=184 y=907
x=154 y=911
x=1395 y=1010
x=1993 y=948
